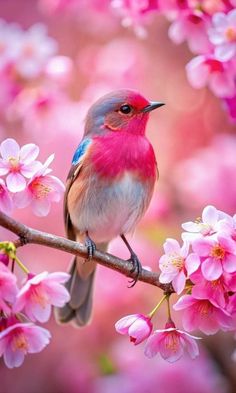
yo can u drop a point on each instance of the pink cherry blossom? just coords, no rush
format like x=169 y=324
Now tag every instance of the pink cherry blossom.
x=40 y=292
x=216 y=291
x=41 y=191
x=208 y=224
x=218 y=256
x=6 y=203
x=34 y=49
x=18 y=339
x=8 y=288
x=137 y=326
x=223 y=35
x=18 y=163
x=206 y=70
x=191 y=26
x=176 y=265
x=171 y=343
x=202 y=314
x=133 y=12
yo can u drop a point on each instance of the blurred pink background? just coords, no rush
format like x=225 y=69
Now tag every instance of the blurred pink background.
x=195 y=145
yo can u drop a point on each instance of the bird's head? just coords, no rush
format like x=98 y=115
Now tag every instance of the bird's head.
x=121 y=110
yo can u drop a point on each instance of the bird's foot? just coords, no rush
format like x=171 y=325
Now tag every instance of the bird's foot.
x=137 y=268
x=91 y=246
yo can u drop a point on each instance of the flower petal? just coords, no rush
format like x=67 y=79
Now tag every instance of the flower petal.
x=152 y=345
x=122 y=326
x=15 y=182
x=171 y=245
x=225 y=52
x=29 y=153
x=41 y=207
x=229 y=263
x=9 y=148
x=191 y=345
x=38 y=338
x=13 y=358
x=29 y=170
x=210 y=215
x=192 y=263
x=202 y=247
x=211 y=269
x=183 y=302
x=179 y=282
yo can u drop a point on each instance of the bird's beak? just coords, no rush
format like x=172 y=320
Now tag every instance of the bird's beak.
x=153 y=105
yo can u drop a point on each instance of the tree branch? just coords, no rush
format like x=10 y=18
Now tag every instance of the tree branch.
x=27 y=235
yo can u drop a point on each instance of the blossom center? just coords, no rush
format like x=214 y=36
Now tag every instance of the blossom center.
x=217 y=252
x=14 y=163
x=204 y=308
x=19 y=342
x=40 y=190
x=177 y=261
x=172 y=342
x=230 y=34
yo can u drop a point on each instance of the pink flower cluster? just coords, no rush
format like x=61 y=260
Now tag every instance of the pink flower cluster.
x=29 y=68
x=20 y=308
x=26 y=181
x=209 y=28
x=206 y=277
x=170 y=342
x=203 y=272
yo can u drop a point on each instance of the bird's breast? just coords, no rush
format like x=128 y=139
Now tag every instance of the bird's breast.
x=114 y=154
x=114 y=187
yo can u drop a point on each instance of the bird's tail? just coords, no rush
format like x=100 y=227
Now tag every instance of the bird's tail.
x=80 y=286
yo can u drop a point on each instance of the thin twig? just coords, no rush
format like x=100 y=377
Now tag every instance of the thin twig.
x=27 y=235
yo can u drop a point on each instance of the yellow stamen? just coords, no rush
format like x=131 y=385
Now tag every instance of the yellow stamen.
x=40 y=190
x=172 y=342
x=14 y=162
x=19 y=342
x=177 y=262
x=217 y=252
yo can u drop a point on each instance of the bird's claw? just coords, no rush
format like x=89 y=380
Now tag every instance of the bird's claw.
x=137 y=268
x=91 y=247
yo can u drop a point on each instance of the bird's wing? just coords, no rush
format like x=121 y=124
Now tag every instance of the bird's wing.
x=77 y=164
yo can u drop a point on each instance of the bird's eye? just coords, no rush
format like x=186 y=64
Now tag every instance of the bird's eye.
x=126 y=109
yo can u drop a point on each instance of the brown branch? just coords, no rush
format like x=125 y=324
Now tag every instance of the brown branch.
x=27 y=235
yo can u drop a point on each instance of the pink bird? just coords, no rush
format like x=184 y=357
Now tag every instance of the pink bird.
x=109 y=188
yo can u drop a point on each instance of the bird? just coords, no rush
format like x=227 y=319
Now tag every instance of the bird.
x=109 y=188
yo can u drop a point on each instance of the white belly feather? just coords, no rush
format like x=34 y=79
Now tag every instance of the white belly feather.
x=108 y=211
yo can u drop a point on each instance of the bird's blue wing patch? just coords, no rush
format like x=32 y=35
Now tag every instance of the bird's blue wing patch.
x=80 y=151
